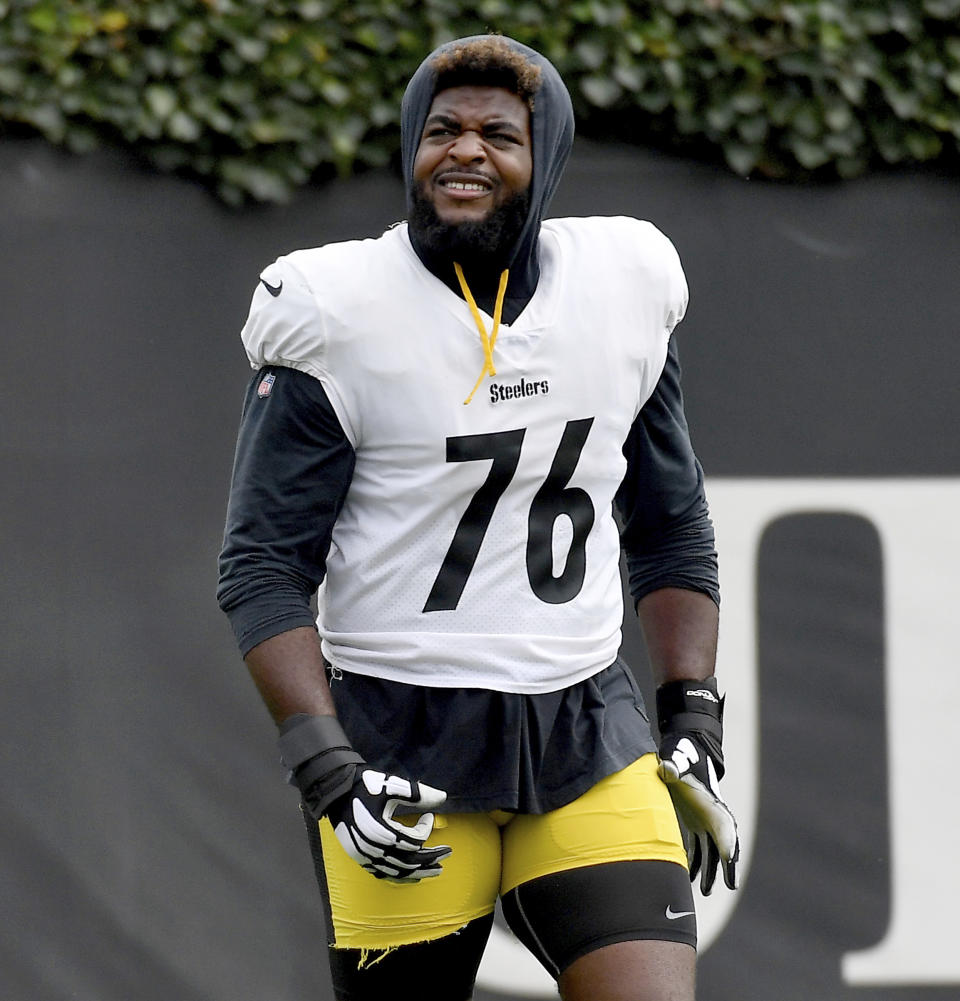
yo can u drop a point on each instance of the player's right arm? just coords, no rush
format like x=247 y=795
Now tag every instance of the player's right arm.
x=289 y=672
x=292 y=470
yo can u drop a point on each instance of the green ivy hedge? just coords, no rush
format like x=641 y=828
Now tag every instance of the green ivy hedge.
x=260 y=96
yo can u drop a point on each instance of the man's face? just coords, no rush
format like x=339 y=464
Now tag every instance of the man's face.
x=475 y=153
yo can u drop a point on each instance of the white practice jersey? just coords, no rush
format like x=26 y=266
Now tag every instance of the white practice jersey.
x=476 y=546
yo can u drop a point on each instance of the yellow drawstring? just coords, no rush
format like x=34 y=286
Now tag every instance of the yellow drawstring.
x=488 y=340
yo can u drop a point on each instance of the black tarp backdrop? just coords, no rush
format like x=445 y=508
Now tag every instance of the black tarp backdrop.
x=150 y=849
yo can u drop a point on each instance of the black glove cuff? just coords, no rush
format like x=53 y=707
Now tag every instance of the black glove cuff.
x=313 y=747
x=690 y=705
x=302 y=736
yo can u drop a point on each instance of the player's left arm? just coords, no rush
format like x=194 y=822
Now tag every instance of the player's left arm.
x=668 y=542
x=680 y=631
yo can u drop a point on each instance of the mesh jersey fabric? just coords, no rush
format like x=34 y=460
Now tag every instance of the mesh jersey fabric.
x=396 y=351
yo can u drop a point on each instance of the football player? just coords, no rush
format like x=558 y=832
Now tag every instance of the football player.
x=442 y=423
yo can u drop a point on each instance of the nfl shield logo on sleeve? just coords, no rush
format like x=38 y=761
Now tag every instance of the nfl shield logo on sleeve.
x=266 y=384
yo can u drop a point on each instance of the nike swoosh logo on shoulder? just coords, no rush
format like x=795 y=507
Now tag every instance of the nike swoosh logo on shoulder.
x=672 y=915
x=274 y=290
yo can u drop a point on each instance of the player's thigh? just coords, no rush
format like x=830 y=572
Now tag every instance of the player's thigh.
x=433 y=931
x=637 y=970
x=608 y=868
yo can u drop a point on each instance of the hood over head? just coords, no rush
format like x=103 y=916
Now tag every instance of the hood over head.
x=551 y=131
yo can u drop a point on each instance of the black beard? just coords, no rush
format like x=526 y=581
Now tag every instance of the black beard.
x=481 y=244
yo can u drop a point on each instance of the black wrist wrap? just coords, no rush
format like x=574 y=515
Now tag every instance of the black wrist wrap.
x=693 y=705
x=319 y=758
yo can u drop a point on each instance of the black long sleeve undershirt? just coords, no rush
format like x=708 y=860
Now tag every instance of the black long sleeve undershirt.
x=293 y=467
x=291 y=472
x=667 y=536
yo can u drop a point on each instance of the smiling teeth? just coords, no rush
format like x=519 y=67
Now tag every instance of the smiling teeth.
x=462 y=186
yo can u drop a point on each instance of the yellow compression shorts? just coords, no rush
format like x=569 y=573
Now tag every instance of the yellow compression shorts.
x=626 y=816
